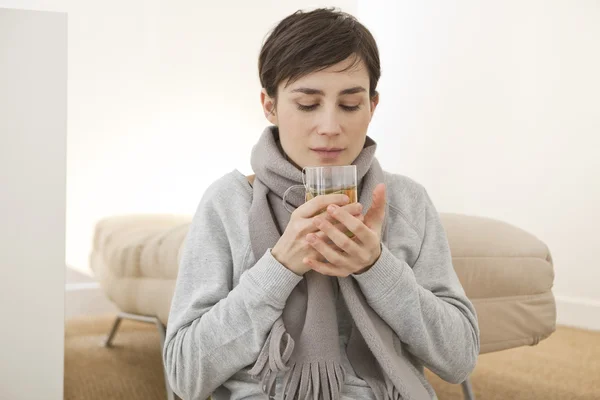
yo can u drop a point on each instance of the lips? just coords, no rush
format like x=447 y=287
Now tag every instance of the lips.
x=327 y=149
x=328 y=152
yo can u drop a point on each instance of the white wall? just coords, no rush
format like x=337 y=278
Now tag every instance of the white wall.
x=495 y=108
x=33 y=130
x=163 y=99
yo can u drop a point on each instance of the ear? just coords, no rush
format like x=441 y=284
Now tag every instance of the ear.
x=374 y=103
x=268 y=105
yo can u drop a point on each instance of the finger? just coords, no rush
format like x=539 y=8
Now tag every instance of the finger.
x=306 y=226
x=354 y=225
x=325 y=268
x=333 y=256
x=354 y=209
x=376 y=214
x=341 y=240
x=313 y=206
x=315 y=255
x=340 y=227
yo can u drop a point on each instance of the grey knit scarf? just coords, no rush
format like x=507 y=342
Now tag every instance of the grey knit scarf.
x=303 y=343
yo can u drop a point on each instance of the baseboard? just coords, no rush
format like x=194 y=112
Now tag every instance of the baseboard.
x=70 y=287
x=86 y=298
x=578 y=312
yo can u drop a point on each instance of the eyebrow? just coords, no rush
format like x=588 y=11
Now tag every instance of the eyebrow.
x=352 y=90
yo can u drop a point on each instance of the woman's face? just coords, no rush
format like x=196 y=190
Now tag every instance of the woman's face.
x=323 y=117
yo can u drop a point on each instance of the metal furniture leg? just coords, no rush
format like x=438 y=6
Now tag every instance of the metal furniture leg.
x=161 y=332
x=113 y=331
x=467 y=389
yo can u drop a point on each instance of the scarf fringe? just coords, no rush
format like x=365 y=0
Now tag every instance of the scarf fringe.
x=271 y=359
x=313 y=381
x=303 y=381
x=391 y=392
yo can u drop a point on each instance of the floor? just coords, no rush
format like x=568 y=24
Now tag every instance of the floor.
x=565 y=366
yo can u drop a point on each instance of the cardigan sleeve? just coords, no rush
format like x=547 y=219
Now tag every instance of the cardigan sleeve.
x=425 y=304
x=215 y=330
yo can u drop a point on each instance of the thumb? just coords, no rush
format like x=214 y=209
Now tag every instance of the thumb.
x=376 y=214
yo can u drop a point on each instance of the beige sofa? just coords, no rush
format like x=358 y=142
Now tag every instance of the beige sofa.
x=506 y=272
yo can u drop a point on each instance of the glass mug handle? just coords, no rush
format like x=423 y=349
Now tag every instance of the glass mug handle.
x=285 y=203
x=303 y=178
x=283 y=200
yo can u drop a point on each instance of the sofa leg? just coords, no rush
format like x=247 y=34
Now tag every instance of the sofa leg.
x=161 y=332
x=467 y=389
x=113 y=332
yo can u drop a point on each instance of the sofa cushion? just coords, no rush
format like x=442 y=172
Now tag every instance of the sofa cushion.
x=135 y=259
x=141 y=245
x=508 y=275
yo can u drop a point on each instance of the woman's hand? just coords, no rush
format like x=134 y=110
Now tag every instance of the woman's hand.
x=357 y=254
x=292 y=247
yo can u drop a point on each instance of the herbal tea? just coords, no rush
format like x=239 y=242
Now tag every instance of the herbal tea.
x=331 y=180
x=351 y=192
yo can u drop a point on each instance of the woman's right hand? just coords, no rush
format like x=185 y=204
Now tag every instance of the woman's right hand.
x=292 y=247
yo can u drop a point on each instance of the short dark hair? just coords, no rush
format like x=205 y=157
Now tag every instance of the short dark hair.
x=306 y=42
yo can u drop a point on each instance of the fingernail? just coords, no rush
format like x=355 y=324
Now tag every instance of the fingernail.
x=331 y=208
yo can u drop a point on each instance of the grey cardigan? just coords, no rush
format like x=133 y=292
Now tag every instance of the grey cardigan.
x=226 y=300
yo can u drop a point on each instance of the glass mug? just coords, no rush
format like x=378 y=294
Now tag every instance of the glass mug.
x=330 y=180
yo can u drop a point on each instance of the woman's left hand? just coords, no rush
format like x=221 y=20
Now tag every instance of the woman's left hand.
x=358 y=253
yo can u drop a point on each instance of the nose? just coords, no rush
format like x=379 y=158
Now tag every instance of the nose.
x=329 y=123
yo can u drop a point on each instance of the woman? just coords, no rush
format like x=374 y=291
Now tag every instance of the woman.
x=287 y=305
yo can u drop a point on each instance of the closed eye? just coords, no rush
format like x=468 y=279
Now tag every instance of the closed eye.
x=350 y=108
x=312 y=107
